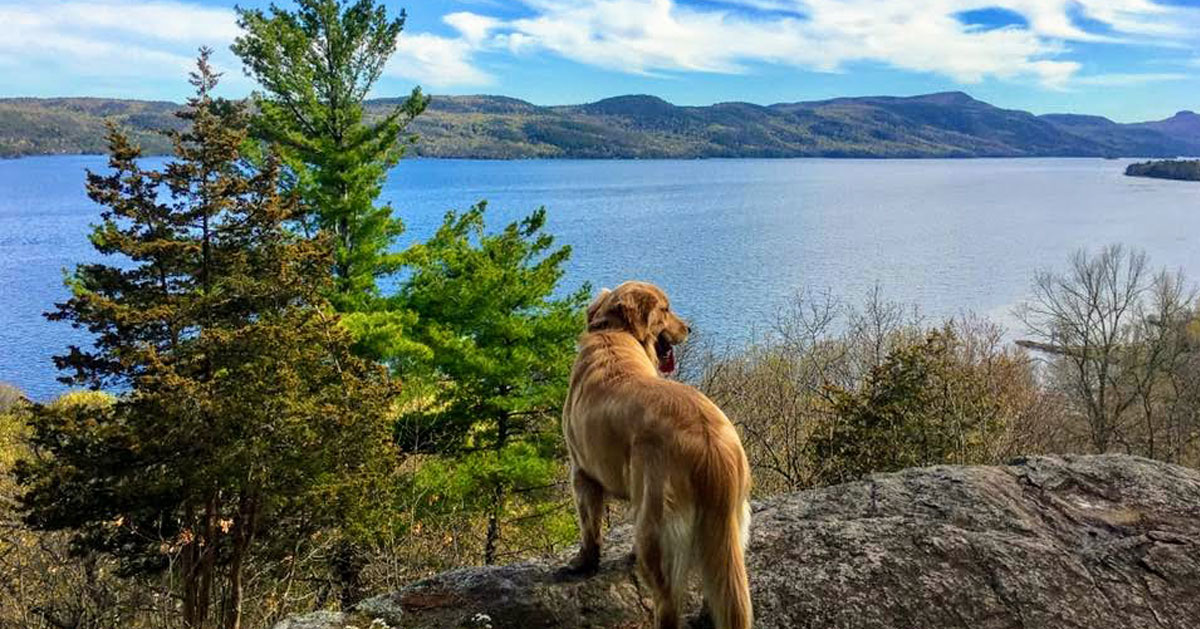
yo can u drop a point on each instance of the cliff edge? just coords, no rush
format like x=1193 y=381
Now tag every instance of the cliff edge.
x=1062 y=542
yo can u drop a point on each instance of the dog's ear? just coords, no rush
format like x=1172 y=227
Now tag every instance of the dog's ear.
x=635 y=307
x=595 y=314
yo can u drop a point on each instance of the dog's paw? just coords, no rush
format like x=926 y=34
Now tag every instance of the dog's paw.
x=572 y=572
x=582 y=566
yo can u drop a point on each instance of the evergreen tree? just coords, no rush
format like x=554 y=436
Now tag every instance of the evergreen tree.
x=927 y=403
x=316 y=65
x=496 y=348
x=245 y=423
x=483 y=347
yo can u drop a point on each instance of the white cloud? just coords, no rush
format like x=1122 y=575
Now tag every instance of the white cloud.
x=123 y=46
x=436 y=61
x=650 y=36
x=474 y=27
x=159 y=20
x=124 y=41
x=117 y=41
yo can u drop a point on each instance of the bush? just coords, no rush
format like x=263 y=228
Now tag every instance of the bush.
x=44 y=581
x=836 y=391
x=927 y=403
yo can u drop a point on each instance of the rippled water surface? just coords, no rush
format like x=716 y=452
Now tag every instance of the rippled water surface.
x=730 y=240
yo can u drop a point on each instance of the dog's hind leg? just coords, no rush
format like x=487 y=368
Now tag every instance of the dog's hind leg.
x=663 y=547
x=654 y=557
x=589 y=506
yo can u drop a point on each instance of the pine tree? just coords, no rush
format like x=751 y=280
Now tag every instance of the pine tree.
x=497 y=348
x=317 y=65
x=244 y=419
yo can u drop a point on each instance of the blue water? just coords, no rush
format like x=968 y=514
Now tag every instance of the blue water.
x=730 y=240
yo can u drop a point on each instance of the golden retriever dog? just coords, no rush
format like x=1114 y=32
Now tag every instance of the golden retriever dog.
x=634 y=435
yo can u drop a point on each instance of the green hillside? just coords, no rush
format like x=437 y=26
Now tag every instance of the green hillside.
x=950 y=124
x=51 y=126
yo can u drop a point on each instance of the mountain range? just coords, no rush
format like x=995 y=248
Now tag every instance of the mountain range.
x=947 y=124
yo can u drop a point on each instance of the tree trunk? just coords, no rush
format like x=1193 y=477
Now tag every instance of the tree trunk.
x=348 y=564
x=207 y=552
x=187 y=567
x=493 y=527
x=497 y=506
x=189 y=570
x=233 y=604
x=243 y=535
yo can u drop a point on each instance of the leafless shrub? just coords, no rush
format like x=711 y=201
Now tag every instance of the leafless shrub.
x=1120 y=348
x=780 y=388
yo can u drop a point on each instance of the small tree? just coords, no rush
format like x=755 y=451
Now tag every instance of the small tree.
x=244 y=417
x=317 y=64
x=1085 y=318
x=1121 y=346
x=496 y=347
x=1158 y=361
x=925 y=404
x=44 y=582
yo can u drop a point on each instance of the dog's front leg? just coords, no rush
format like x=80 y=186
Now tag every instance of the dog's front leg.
x=589 y=505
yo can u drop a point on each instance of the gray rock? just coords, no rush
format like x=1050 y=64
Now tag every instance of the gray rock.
x=1076 y=541
x=315 y=620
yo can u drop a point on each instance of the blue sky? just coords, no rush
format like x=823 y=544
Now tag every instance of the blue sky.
x=1126 y=59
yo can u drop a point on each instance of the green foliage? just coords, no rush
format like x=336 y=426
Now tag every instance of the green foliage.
x=13 y=428
x=473 y=329
x=317 y=64
x=496 y=350
x=923 y=405
x=383 y=333
x=488 y=320
x=83 y=400
x=42 y=583
x=247 y=425
x=469 y=478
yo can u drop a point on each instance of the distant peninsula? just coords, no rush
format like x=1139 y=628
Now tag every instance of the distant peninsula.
x=1183 y=170
x=943 y=125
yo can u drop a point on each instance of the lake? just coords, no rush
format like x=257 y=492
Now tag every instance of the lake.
x=730 y=240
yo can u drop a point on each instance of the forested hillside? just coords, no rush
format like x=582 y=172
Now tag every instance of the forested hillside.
x=40 y=126
x=948 y=124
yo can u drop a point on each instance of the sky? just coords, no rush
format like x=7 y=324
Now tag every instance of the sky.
x=1129 y=60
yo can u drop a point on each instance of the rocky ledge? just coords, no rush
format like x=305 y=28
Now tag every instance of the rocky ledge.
x=1076 y=541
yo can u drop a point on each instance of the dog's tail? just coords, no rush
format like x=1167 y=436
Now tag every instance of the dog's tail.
x=723 y=523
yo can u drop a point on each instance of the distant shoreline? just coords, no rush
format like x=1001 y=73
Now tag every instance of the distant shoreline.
x=948 y=125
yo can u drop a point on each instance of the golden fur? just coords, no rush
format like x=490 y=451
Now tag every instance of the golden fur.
x=663 y=446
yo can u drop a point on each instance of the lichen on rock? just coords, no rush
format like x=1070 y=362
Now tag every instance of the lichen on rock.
x=1044 y=542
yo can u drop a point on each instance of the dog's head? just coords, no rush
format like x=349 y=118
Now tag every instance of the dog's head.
x=643 y=311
